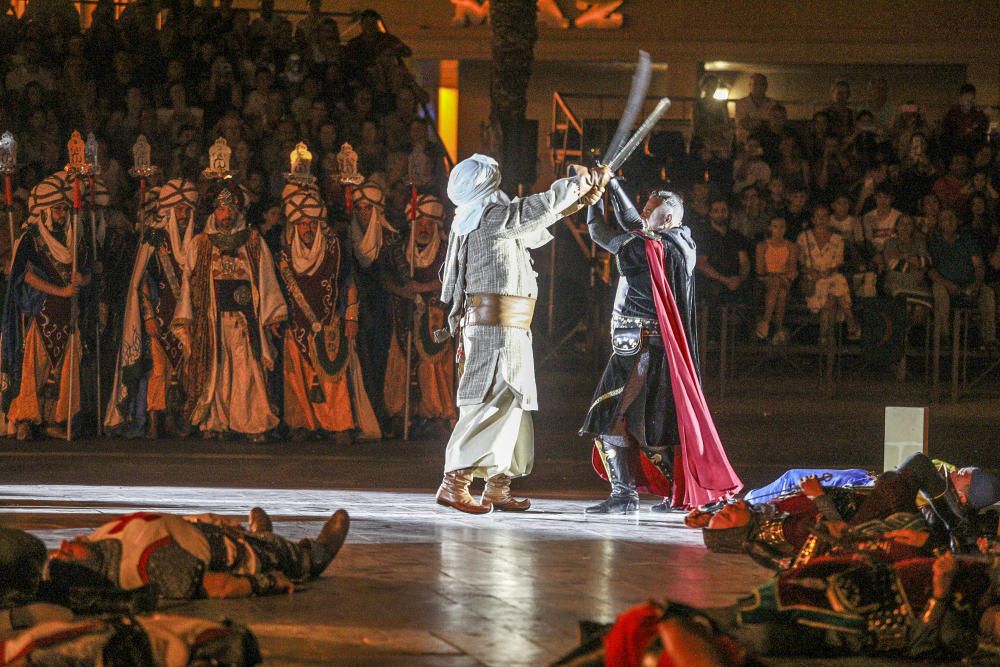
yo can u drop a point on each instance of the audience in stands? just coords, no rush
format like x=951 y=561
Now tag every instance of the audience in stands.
x=862 y=192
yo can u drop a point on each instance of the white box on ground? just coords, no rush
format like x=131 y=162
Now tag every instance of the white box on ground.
x=905 y=435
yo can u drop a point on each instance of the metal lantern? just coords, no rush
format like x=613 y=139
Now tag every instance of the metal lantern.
x=218 y=160
x=90 y=151
x=142 y=166
x=77 y=152
x=347 y=160
x=300 y=162
x=8 y=154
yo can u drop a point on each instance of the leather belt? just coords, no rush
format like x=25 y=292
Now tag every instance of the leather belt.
x=499 y=310
x=644 y=323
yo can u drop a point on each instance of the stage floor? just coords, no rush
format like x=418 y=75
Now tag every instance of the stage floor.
x=422 y=584
x=418 y=584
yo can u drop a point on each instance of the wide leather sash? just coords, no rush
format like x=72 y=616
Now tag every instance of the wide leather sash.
x=499 y=310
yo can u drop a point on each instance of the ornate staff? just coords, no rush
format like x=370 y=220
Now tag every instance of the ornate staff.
x=90 y=152
x=76 y=169
x=8 y=165
x=418 y=168
x=142 y=168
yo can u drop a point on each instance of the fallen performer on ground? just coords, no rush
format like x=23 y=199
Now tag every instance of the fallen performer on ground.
x=196 y=558
x=851 y=604
x=775 y=533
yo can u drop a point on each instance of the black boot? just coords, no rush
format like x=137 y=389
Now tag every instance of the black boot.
x=663 y=506
x=623 y=498
x=949 y=510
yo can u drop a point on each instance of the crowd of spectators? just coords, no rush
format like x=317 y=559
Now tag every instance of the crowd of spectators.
x=182 y=76
x=862 y=200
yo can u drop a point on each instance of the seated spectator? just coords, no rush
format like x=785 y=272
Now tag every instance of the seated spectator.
x=396 y=124
x=790 y=166
x=863 y=192
x=256 y=100
x=964 y=127
x=866 y=140
x=917 y=175
x=981 y=185
x=754 y=110
x=696 y=206
x=749 y=169
x=816 y=134
x=979 y=220
x=192 y=557
x=178 y=114
x=774 y=197
x=952 y=188
x=878 y=105
x=796 y=212
x=704 y=164
x=821 y=257
x=723 y=264
x=771 y=133
x=878 y=225
x=843 y=222
x=832 y=168
x=221 y=92
x=839 y=112
x=371 y=149
x=777 y=268
x=958 y=272
x=28 y=67
x=930 y=213
x=751 y=219
x=362 y=110
x=905 y=259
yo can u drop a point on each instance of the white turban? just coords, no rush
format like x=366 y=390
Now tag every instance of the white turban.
x=369 y=192
x=473 y=185
x=56 y=190
x=174 y=192
x=428 y=206
x=304 y=203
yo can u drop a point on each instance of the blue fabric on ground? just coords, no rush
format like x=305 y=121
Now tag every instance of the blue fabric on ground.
x=829 y=478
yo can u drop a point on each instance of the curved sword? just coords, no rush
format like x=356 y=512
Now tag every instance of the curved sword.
x=615 y=161
x=633 y=105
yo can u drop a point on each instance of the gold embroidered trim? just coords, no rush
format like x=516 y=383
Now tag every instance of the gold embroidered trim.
x=604 y=397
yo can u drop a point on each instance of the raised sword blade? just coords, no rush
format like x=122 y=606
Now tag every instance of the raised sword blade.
x=615 y=162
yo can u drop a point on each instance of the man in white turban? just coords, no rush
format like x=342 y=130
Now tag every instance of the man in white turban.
x=488 y=280
x=147 y=375
x=324 y=393
x=370 y=234
x=410 y=273
x=41 y=340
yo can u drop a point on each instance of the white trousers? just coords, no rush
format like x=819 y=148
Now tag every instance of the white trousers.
x=493 y=437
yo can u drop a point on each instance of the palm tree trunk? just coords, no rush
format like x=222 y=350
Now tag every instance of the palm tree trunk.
x=514 y=35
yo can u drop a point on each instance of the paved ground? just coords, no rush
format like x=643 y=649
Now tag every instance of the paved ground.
x=419 y=584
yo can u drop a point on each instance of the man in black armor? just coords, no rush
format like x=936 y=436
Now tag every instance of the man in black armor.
x=634 y=413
